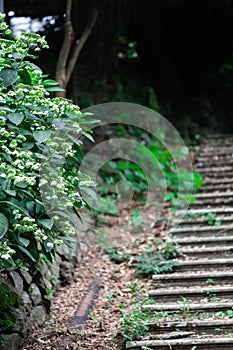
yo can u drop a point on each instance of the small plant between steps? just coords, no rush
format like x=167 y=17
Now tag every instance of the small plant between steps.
x=152 y=260
x=134 y=323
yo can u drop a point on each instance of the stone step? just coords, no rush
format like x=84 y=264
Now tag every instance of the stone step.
x=214 y=195
x=208 y=219
x=217 y=252
x=199 y=278
x=216 y=175
x=180 y=307
x=197 y=230
x=220 y=152
x=210 y=150
x=205 y=211
x=215 y=157
x=207 y=326
x=210 y=202
x=212 y=162
x=225 y=180
x=211 y=343
x=192 y=294
x=216 y=169
x=201 y=285
x=204 y=265
x=221 y=187
x=204 y=241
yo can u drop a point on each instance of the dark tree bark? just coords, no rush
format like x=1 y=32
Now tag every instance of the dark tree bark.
x=71 y=49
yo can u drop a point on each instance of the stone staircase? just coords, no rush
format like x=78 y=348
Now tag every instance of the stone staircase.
x=194 y=305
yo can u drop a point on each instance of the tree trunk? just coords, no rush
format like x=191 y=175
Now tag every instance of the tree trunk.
x=68 y=54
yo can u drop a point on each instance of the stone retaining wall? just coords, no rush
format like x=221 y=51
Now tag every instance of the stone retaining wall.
x=31 y=292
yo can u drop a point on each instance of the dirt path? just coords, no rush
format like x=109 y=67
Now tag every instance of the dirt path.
x=67 y=327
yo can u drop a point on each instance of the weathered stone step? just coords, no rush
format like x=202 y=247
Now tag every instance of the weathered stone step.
x=199 y=230
x=225 y=180
x=213 y=162
x=204 y=265
x=214 y=156
x=215 y=169
x=180 y=307
x=211 y=343
x=224 y=251
x=210 y=150
x=204 y=221
x=220 y=152
x=190 y=279
x=204 y=211
x=198 y=326
x=216 y=176
x=214 y=194
x=196 y=294
x=212 y=202
x=205 y=241
x=221 y=187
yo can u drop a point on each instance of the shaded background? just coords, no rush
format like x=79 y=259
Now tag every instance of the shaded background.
x=175 y=56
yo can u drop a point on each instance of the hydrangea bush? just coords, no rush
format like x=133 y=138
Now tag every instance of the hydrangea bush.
x=30 y=143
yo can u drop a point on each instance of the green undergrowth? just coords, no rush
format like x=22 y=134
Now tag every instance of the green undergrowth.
x=133 y=176
x=156 y=259
x=155 y=169
x=134 y=323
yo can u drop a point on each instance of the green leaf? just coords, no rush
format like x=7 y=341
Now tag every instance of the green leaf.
x=25 y=77
x=88 y=136
x=25 y=132
x=68 y=239
x=33 y=248
x=15 y=206
x=28 y=145
x=3 y=225
x=46 y=223
x=8 y=76
x=16 y=118
x=50 y=82
x=24 y=241
x=30 y=207
x=41 y=135
x=25 y=251
x=21 y=184
x=89 y=192
x=91 y=121
x=11 y=192
x=53 y=88
x=6 y=41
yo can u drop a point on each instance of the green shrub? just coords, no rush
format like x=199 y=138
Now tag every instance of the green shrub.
x=27 y=125
x=174 y=182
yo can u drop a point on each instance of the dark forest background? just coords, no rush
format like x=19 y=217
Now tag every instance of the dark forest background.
x=174 y=56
